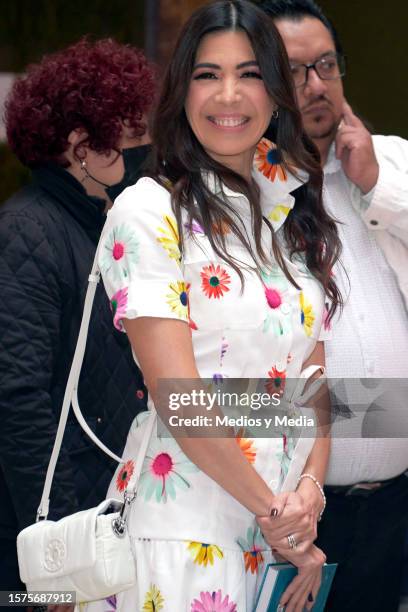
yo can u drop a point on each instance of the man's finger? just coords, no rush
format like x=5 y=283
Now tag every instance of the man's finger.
x=349 y=117
x=344 y=141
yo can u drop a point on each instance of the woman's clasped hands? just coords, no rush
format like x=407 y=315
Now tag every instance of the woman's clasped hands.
x=291 y=532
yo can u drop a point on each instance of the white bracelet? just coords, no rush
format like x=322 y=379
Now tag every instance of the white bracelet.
x=319 y=486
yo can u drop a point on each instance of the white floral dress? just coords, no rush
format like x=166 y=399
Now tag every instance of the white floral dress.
x=197 y=548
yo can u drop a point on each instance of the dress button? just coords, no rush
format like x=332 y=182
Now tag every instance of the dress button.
x=285 y=309
x=373 y=222
x=99 y=420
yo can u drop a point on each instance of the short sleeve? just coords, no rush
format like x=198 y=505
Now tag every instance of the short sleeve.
x=139 y=256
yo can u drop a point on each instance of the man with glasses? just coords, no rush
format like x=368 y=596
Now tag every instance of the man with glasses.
x=366 y=191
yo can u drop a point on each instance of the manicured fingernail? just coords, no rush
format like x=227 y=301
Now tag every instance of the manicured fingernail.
x=310 y=597
x=280 y=608
x=274 y=512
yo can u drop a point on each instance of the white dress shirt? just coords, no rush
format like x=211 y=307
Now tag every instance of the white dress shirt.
x=370 y=338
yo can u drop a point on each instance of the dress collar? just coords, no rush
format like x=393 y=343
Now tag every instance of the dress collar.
x=276 y=184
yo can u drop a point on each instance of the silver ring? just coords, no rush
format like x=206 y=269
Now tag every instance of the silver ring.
x=292 y=542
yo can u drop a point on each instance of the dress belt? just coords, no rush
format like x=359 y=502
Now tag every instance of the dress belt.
x=362 y=489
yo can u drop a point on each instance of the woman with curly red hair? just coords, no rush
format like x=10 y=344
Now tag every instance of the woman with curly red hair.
x=78 y=120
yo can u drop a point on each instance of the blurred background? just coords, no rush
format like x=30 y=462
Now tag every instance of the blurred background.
x=373 y=33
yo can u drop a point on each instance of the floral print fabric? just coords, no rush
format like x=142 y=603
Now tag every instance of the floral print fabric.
x=198 y=549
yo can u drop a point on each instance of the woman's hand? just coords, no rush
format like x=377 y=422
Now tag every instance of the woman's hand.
x=308 y=490
x=302 y=591
x=298 y=519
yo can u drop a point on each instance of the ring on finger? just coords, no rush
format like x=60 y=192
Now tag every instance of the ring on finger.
x=291 y=541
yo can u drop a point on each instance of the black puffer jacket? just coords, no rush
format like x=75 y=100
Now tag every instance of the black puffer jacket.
x=48 y=236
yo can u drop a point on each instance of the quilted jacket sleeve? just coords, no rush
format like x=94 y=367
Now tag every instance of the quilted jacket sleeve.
x=30 y=310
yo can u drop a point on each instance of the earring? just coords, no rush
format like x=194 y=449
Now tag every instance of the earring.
x=84 y=170
x=275 y=114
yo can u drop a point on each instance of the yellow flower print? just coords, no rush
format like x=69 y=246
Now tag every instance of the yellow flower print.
x=307 y=316
x=169 y=238
x=153 y=600
x=204 y=553
x=177 y=299
x=278 y=211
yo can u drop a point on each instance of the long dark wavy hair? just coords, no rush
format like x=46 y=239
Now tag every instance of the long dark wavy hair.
x=180 y=158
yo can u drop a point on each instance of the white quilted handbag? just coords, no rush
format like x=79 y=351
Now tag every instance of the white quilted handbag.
x=89 y=552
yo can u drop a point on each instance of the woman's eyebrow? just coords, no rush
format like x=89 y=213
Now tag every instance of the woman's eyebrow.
x=207 y=65
x=218 y=67
x=246 y=64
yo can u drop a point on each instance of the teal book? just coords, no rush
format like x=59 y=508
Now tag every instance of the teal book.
x=276 y=579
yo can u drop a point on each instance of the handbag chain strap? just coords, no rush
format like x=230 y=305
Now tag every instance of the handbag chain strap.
x=71 y=397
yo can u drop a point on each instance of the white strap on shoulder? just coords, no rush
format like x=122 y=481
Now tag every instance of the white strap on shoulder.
x=71 y=396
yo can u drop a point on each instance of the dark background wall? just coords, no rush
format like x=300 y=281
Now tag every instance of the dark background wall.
x=374 y=35
x=28 y=28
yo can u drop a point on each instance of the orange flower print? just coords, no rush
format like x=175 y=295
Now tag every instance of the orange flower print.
x=191 y=323
x=268 y=160
x=246 y=445
x=252 y=548
x=222 y=228
x=278 y=381
x=215 y=281
x=125 y=475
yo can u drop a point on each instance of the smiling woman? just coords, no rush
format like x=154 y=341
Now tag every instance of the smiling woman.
x=226 y=247
x=227 y=106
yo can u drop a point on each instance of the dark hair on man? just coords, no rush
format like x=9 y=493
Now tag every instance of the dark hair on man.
x=179 y=157
x=296 y=10
x=98 y=86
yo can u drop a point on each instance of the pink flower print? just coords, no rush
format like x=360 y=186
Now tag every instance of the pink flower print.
x=119 y=252
x=279 y=314
x=164 y=471
x=213 y=602
x=273 y=297
x=118 y=306
x=326 y=320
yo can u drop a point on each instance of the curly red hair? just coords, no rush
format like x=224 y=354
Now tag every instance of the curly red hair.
x=95 y=86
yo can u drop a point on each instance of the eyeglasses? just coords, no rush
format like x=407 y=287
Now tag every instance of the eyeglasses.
x=327 y=68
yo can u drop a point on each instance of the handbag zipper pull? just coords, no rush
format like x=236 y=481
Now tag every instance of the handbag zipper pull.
x=119 y=523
